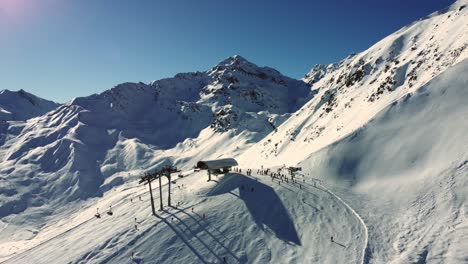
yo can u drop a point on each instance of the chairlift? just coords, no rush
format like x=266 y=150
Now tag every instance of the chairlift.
x=110 y=211
x=97 y=215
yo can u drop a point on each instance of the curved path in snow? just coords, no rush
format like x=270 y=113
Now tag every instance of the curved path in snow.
x=364 y=259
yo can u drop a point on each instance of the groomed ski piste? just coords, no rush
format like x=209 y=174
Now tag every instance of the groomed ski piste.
x=235 y=218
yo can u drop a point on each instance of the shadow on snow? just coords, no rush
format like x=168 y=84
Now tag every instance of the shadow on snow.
x=263 y=204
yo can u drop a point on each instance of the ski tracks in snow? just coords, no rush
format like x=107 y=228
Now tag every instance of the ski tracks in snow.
x=365 y=258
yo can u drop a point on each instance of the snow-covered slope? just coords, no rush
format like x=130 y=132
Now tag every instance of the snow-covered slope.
x=408 y=168
x=381 y=138
x=271 y=224
x=353 y=91
x=20 y=105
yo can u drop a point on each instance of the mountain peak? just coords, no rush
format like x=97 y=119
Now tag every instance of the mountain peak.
x=21 y=105
x=234 y=60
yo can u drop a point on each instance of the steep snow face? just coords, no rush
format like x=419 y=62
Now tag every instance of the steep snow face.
x=353 y=91
x=408 y=169
x=79 y=149
x=20 y=105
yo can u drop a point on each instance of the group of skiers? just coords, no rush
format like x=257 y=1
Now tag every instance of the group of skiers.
x=267 y=172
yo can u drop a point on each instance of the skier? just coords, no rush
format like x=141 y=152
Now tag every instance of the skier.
x=331 y=239
x=203 y=215
x=139 y=197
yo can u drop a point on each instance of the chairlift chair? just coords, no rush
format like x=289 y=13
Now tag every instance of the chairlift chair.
x=110 y=211
x=97 y=215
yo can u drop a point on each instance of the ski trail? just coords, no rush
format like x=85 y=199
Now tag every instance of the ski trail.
x=364 y=258
x=366 y=233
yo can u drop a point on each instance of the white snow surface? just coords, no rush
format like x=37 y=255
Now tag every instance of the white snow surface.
x=21 y=105
x=381 y=137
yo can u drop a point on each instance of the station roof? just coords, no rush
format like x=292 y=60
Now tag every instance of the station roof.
x=216 y=164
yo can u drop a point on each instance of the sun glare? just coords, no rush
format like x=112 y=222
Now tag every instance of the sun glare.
x=16 y=9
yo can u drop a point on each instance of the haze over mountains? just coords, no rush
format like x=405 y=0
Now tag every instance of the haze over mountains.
x=383 y=132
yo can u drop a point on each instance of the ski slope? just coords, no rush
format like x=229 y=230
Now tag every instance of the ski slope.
x=383 y=131
x=405 y=173
x=276 y=223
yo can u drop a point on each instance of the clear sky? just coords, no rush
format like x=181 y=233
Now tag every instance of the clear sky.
x=60 y=49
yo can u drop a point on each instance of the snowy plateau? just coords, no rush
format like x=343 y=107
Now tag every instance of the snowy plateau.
x=381 y=137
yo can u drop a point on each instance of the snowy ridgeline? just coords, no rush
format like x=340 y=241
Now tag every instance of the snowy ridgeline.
x=383 y=133
x=80 y=149
x=20 y=106
x=354 y=90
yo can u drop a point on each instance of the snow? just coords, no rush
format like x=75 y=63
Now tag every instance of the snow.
x=351 y=92
x=272 y=216
x=20 y=105
x=381 y=137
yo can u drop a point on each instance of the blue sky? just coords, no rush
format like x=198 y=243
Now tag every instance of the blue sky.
x=60 y=49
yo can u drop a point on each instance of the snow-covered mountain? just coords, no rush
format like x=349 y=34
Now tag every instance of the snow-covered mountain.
x=387 y=129
x=79 y=149
x=381 y=137
x=354 y=90
x=21 y=105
